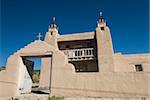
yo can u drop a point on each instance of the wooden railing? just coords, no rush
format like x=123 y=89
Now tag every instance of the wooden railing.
x=79 y=54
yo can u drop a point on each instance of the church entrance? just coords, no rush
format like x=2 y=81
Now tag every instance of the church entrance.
x=39 y=69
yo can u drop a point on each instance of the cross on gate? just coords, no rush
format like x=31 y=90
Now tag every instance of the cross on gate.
x=39 y=36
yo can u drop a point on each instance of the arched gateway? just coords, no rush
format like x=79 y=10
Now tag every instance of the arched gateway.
x=17 y=77
x=81 y=64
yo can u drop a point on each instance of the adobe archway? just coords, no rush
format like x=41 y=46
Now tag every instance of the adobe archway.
x=16 y=78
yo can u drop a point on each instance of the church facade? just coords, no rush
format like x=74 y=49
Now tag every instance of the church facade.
x=80 y=64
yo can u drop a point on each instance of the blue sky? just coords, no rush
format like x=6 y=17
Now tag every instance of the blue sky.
x=21 y=20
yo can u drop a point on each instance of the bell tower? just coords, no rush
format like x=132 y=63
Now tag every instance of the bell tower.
x=104 y=46
x=52 y=34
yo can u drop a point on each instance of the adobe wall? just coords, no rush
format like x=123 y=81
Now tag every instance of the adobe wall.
x=143 y=59
x=126 y=63
x=65 y=82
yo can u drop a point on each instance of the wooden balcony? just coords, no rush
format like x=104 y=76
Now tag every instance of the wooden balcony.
x=79 y=54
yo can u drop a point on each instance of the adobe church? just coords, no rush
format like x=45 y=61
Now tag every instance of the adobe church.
x=77 y=64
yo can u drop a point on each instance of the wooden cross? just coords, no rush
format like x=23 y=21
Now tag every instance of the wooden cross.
x=39 y=36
